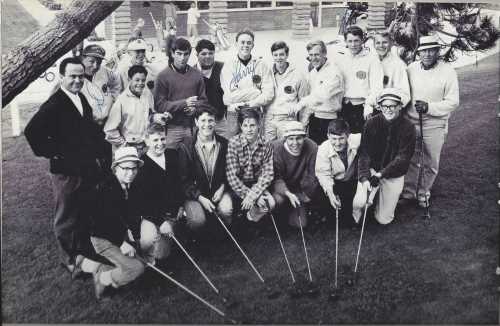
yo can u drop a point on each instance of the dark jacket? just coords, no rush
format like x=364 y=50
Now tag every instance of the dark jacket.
x=110 y=214
x=159 y=190
x=193 y=177
x=214 y=90
x=386 y=147
x=60 y=133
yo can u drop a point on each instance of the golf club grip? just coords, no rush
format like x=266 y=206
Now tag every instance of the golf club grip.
x=283 y=248
x=241 y=250
x=171 y=279
x=195 y=264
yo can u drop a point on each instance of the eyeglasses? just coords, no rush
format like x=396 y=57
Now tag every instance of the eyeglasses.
x=389 y=107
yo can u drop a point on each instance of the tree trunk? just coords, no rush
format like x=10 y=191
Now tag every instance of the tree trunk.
x=23 y=64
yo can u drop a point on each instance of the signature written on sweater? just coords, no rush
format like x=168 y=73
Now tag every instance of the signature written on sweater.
x=240 y=75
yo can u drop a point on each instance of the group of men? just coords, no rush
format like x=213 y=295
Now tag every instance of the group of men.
x=135 y=158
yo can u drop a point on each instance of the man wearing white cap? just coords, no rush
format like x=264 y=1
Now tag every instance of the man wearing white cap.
x=387 y=145
x=112 y=215
x=295 y=184
x=435 y=95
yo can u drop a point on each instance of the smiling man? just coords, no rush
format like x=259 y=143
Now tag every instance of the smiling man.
x=179 y=90
x=295 y=185
x=435 y=95
x=64 y=131
x=203 y=172
x=247 y=81
x=387 y=145
x=211 y=70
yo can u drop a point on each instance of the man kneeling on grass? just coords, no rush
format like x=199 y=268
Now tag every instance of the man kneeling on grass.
x=112 y=216
x=250 y=166
x=159 y=199
x=336 y=168
x=203 y=171
x=295 y=184
x=387 y=146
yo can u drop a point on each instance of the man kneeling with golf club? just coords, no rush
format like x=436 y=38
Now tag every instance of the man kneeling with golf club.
x=112 y=216
x=295 y=184
x=387 y=146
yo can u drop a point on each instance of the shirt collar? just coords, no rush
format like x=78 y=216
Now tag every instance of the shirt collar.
x=244 y=142
x=276 y=71
x=71 y=95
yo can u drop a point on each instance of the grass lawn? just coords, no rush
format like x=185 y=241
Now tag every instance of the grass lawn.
x=412 y=271
x=17 y=24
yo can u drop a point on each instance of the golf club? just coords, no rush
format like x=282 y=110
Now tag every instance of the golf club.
x=305 y=249
x=171 y=279
x=421 y=176
x=238 y=246
x=333 y=293
x=194 y=263
x=362 y=230
x=283 y=248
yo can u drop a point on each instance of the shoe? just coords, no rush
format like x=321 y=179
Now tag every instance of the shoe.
x=423 y=203
x=98 y=286
x=403 y=201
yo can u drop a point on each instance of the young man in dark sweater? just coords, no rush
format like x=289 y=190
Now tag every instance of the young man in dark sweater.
x=387 y=146
x=179 y=89
x=112 y=215
x=211 y=69
x=295 y=184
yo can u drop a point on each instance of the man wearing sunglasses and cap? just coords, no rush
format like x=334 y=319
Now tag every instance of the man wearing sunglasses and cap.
x=387 y=145
x=435 y=95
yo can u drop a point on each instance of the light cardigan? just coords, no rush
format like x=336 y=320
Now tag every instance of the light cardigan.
x=437 y=86
x=238 y=86
x=329 y=165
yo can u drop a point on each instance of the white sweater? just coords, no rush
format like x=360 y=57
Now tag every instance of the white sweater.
x=437 y=86
x=238 y=86
x=395 y=70
x=363 y=75
x=296 y=85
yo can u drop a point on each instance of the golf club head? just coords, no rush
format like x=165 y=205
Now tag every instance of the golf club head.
x=272 y=293
x=229 y=301
x=334 y=295
x=312 y=289
x=353 y=280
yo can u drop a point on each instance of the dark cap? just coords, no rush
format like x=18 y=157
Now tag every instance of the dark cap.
x=94 y=50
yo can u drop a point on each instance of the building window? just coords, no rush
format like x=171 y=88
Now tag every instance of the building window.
x=203 y=5
x=260 y=4
x=236 y=4
x=284 y=3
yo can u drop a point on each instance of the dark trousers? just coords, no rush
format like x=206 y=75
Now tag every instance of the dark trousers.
x=318 y=129
x=353 y=114
x=346 y=191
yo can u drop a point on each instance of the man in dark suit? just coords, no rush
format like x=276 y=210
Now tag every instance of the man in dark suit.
x=64 y=131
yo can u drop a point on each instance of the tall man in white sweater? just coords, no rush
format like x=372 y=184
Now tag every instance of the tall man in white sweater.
x=245 y=80
x=363 y=76
x=434 y=92
x=327 y=88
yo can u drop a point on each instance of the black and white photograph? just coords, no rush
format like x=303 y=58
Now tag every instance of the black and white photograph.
x=250 y=162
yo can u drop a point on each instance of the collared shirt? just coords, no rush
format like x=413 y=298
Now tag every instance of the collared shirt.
x=207 y=73
x=289 y=88
x=249 y=166
x=128 y=118
x=208 y=151
x=75 y=99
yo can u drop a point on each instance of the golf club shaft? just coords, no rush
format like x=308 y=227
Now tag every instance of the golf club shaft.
x=336 y=243
x=283 y=248
x=361 y=236
x=237 y=245
x=421 y=174
x=305 y=248
x=184 y=288
x=194 y=263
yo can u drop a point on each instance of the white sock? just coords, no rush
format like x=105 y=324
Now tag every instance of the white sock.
x=89 y=265
x=105 y=278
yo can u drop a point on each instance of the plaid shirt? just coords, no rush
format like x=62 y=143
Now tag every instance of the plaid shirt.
x=249 y=166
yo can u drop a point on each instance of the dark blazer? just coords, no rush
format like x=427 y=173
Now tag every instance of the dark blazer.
x=193 y=177
x=110 y=213
x=159 y=190
x=214 y=91
x=60 y=133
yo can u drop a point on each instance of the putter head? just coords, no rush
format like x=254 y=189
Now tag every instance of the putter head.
x=272 y=293
x=312 y=289
x=229 y=301
x=353 y=280
x=334 y=295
